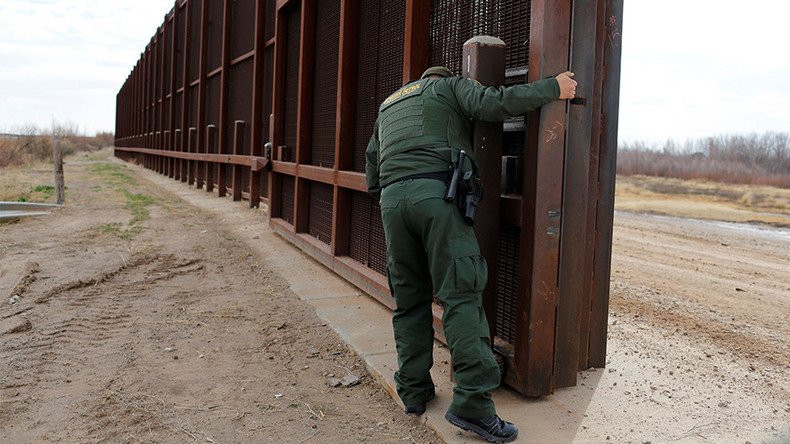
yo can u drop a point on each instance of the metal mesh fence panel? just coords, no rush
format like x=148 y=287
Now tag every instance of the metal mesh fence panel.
x=507 y=282
x=513 y=143
x=367 y=242
x=379 y=66
x=320 y=217
x=179 y=55
x=169 y=28
x=242 y=25
x=288 y=199
x=450 y=26
x=325 y=90
x=366 y=80
x=359 y=241
x=215 y=23
x=194 y=39
x=239 y=105
x=269 y=19
x=291 y=77
x=453 y=22
x=377 y=259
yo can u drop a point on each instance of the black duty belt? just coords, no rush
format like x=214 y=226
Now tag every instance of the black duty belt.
x=442 y=176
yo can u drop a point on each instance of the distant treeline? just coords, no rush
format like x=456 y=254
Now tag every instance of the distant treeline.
x=31 y=143
x=757 y=159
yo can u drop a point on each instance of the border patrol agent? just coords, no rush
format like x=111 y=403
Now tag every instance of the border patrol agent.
x=416 y=143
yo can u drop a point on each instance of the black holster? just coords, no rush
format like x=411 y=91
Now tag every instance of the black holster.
x=465 y=189
x=472 y=194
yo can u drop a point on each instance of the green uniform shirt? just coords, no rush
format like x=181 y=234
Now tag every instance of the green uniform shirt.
x=423 y=125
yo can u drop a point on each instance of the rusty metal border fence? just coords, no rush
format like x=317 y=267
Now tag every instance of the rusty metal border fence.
x=221 y=78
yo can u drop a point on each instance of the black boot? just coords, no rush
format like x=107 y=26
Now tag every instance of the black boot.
x=417 y=409
x=491 y=428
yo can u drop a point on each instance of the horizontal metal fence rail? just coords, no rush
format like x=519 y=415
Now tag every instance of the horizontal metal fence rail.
x=221 y=78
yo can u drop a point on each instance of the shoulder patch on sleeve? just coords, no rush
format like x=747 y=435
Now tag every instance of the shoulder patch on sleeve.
x=475 y=82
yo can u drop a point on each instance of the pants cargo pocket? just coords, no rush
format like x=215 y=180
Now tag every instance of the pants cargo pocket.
x=471 y=270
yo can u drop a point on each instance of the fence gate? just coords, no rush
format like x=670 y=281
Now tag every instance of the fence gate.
x=222 y=78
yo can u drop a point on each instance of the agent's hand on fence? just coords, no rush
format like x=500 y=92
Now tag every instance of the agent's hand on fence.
x=567 y=85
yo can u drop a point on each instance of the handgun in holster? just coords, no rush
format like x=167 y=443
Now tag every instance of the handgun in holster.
x=465 y=190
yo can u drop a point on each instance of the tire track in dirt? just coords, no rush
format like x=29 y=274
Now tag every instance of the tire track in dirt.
x=82 y=314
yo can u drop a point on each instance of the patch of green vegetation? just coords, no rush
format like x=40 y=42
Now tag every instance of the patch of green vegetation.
x=38 y=193
x=46 y=189
x=42 y=192
x=136 y=204
x=113 y=174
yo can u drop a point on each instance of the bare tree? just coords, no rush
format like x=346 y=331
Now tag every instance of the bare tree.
x=737 y=158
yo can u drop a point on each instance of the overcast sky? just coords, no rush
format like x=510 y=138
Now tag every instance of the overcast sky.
x=689 y=68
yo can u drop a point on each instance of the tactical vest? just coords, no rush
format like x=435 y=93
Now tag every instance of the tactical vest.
x=417 y=117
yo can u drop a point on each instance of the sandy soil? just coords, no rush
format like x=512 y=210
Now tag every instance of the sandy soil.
x=699 y=339
x=138 y=320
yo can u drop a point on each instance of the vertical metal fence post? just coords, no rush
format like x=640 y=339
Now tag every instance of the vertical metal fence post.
x=574 y=263
x=202 y=167
x=257 y=136
x=185 y=80
x=344 y=117
x=304 y=113
x=177 y=147
x=484 y=61
x=211 y=147
x=238 y=140
x=608 y=158
x=542 y=202
x=172 y=102
x=191 y=147
x=415 y=42
x=222 y=177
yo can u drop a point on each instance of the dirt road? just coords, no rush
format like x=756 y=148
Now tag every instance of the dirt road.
x=138 y=318
x=727 y=282
x=699 y=338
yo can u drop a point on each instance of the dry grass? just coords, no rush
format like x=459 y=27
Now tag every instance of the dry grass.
x=704 y=199
x=34 y=181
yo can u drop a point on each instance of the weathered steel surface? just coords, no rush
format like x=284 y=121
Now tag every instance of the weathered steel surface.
x=254 y=162
x=599 y=309
x=542 y=206
x=219 y=79
x=574 y=267
x=484 y=61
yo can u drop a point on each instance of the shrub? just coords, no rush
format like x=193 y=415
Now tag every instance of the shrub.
x=29 y=143
x=757 y=159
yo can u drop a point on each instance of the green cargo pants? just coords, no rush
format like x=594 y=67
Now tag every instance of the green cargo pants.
x=432 y=252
